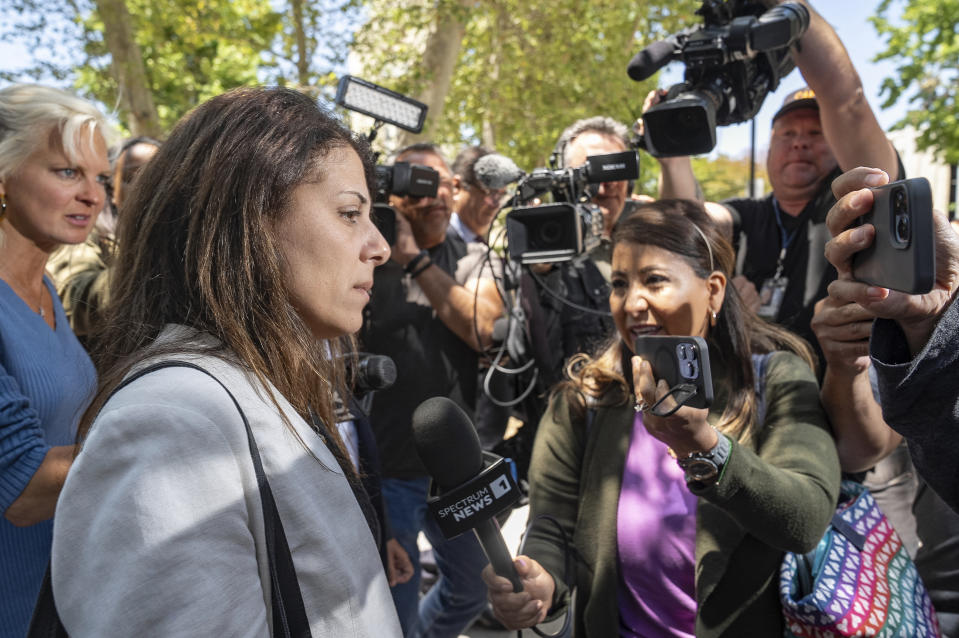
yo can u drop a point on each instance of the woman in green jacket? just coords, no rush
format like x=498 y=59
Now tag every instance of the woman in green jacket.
x=659 y=550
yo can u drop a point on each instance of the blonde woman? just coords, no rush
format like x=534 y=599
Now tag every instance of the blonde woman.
x=53 y=169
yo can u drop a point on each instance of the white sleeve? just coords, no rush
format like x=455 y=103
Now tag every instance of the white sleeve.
x=152 y=534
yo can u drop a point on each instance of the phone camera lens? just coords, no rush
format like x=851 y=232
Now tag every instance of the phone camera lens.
x=900 y=200
x=902 y=228
x=690 y=370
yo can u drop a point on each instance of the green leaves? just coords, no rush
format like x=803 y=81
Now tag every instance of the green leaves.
x=524 y=70
x=925 y=44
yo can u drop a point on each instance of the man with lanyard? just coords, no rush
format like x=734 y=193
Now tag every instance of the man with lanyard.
x=819 y=132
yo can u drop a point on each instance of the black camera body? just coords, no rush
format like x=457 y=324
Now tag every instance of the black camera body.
x=571 y=225
x=733 y=61
x=404 y=180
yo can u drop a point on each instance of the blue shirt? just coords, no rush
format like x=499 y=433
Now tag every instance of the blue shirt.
x=46 y=382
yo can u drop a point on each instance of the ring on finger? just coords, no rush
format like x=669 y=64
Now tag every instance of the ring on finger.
x=640 y=405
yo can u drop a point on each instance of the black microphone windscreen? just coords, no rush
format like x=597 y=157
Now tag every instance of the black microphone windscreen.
x=378 y=371
x=446 y=442
x=495 y=171
x=651 y=59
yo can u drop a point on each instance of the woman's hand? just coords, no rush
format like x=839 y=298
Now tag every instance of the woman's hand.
x=518 y=610
x=399 y=569
x=684 y=431
x=39 y=498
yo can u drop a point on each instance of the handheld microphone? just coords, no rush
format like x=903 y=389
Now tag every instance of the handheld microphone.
x=469 y=496
x=373 y=372
x=495 y=171
x=651 y=59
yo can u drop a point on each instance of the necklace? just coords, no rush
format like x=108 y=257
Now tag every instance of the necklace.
x=40 y=310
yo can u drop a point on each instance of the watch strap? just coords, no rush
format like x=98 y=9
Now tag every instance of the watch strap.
x=705 y=468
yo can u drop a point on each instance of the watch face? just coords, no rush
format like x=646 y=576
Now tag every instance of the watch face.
x=701 y=469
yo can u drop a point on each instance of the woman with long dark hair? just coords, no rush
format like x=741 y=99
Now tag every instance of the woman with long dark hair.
x=658 y=549
x=245 y=248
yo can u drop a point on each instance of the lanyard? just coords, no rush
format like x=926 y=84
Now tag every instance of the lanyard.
x=785 y=239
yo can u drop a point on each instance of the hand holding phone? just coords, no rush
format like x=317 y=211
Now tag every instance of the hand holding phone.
x=680 y=361
x=902 y=255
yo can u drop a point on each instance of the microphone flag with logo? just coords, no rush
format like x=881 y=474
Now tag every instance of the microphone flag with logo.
x=465 y=495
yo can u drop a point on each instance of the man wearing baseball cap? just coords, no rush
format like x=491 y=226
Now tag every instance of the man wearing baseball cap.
x=820 y=130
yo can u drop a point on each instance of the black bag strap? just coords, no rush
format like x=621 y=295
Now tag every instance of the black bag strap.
x=289 y=612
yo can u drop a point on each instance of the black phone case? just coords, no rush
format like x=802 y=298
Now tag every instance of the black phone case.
x=909 y=267
x=680 y=360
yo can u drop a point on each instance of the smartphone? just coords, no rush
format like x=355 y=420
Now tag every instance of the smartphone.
x=680 y=360
x=903 y=254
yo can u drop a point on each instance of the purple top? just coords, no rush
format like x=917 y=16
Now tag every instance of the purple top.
x=656 y=539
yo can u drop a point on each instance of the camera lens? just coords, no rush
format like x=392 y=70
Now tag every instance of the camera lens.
x=899 y=200
x=549 y=234
x=902 y=228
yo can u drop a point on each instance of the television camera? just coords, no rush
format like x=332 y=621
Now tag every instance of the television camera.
x=733 y=61
x=571 y=225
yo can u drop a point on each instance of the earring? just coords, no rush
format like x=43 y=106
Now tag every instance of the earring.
x=712 y=319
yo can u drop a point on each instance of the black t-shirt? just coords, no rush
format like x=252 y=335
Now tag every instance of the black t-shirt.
x=430 y=359
x=759 y=240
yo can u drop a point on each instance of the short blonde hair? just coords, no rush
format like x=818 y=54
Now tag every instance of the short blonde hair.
x=30 y=113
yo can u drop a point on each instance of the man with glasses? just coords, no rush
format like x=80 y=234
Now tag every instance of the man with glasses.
x=432 y=311
x=587 y=137
x=474 y=205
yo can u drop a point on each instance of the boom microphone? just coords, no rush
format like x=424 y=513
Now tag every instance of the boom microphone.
x=495 y=171
x=469 y=495
x=651 y=59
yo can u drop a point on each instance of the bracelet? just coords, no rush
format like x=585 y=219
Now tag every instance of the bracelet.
x=419 y=271
x=413 y=263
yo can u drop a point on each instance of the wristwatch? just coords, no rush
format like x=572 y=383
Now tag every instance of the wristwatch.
x=704 y=468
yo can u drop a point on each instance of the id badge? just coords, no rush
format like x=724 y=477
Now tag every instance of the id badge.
x=771 y=297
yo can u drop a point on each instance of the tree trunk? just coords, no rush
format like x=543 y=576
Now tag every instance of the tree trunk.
x=128 y=68
x=439 y=59
x=299 y=34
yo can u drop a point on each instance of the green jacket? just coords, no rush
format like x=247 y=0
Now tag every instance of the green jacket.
x=775 y=495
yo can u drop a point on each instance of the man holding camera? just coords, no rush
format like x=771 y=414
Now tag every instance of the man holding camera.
x=432 y=310
x=584 y=138
x=819 y=131
x=568 y=305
